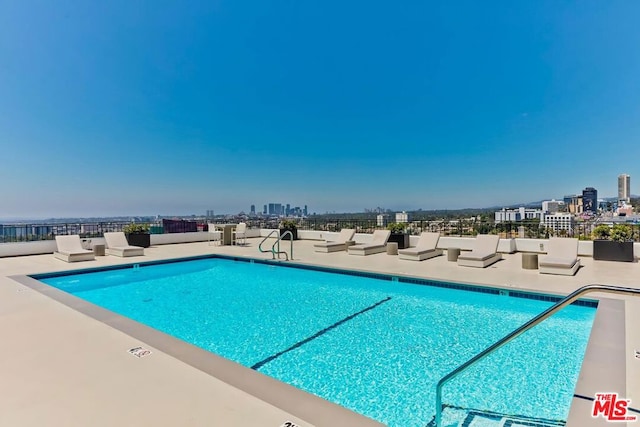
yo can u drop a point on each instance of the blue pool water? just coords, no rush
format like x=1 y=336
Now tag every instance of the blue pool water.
x=375 y=346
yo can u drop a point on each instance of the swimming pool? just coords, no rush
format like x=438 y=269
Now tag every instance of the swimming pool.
x=375 y=346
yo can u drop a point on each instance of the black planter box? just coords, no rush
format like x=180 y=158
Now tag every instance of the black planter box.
x=142 y=240
x=607 y=250
x=401 y=239
x=288 y=237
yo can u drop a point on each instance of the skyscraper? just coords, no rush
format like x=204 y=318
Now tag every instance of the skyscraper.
x=276 y=209
x=624 y=188
x=590 y=199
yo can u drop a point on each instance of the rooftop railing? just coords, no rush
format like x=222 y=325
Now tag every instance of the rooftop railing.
x=462 y=227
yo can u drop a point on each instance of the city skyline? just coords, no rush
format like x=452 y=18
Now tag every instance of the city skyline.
x=287 y=209
x=297 y=210
x=122 y=109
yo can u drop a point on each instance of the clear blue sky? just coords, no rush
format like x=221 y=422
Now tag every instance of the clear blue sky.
x=162 y=107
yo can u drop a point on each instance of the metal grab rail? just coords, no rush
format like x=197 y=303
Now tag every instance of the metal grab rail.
x=530 y=324
x=264 y=240
x=273 y=249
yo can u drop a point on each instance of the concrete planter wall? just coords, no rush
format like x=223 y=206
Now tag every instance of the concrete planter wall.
x=27 y=248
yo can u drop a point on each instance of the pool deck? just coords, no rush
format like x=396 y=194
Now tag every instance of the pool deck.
x=67 y=363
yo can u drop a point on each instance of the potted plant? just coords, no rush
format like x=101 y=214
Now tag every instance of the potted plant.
x=137 y=234
x=289 y=225
x=613 y=243
x=399 y=234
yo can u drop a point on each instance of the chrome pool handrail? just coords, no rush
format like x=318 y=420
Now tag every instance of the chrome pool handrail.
x=273 y=249
x=530 y=324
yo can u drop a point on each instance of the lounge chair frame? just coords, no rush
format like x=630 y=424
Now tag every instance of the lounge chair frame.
x=117 y=245
x=425 y=248
x=562 y=257
x=69 y=249
x=340 y=244
x=484 y=252
x=378 y=244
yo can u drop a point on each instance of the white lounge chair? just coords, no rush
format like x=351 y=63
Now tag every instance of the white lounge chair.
x=562 y=257
x=378 y=244
x=117 y=245
x=484 y=252
x=339 y=244
x=70 y=249
x=425 y=248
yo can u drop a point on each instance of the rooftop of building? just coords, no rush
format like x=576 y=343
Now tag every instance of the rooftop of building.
x=67 y=367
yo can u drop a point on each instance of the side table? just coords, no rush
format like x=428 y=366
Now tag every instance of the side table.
x=98 y=250
x=453 y=254
x=392 y=248
x=530 y=261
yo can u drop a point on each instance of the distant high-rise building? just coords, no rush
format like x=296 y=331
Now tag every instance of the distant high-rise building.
x=520 y=214
x=551 y=206
x=559 y=222
x=382 y=220
x=402 y=217
x=253 y=209
x=264 y=210
x=305 y=210
x=210 y=213
x=590 y=200
x=574 y=204
x=275 y=209
x=624 y=188
x=288 y=210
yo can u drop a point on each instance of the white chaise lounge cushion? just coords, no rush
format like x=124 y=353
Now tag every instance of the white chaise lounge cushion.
x=377 y=245
x=118 y=245
x=425 y=248
x=339 y=244
x=562 y=257
x=70 y=249
x=484 y=247
x=380 y=237
x=477 y=256
x=557 y=262
x=484 y=252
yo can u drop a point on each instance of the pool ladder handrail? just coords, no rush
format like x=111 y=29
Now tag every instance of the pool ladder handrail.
x=276 y=251
x=530 y=324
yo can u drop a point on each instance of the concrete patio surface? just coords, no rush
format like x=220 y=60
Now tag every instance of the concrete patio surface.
x=65 y=363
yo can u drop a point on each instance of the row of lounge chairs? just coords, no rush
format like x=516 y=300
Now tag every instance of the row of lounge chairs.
x=69 y=248
x=562 y=253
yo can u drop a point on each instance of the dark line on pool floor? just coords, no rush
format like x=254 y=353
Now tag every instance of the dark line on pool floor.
x=317 y=334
